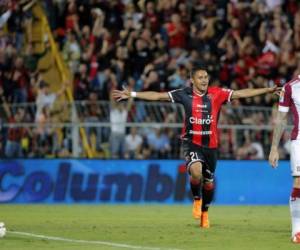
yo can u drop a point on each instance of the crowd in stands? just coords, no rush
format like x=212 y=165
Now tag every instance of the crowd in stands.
x=152 y=45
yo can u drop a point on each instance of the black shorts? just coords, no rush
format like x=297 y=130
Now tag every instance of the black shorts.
x=207 y=156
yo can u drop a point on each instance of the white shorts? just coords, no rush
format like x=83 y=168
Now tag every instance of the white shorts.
x=295 y=157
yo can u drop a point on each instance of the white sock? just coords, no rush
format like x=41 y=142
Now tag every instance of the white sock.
x=295 y=215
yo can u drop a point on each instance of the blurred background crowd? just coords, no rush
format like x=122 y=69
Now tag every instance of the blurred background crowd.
x=145 y=46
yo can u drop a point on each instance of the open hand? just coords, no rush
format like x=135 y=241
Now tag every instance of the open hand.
x=276 y=90
x=121 y=94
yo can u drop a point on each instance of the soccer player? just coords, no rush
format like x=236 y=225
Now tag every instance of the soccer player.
x=290 y=100
x=200 y=136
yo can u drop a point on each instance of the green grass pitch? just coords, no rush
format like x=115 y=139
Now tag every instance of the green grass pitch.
x=147 y=226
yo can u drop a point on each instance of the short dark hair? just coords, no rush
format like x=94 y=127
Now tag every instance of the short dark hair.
x=194 y=70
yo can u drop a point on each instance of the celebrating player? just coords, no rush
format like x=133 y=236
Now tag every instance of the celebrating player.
x=290 y=99
x=200 y=136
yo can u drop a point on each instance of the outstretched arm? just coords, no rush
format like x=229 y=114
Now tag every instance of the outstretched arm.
x=278 y=130
x=145 y=95
x=244 y=93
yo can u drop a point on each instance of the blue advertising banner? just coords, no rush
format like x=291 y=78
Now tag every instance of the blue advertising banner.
x=148 y=181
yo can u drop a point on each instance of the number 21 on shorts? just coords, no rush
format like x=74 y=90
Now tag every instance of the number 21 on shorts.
x=194 y=156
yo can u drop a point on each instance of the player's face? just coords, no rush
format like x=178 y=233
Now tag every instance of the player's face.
x=200 y=81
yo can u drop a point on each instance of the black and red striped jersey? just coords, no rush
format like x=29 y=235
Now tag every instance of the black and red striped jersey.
x=201 y=113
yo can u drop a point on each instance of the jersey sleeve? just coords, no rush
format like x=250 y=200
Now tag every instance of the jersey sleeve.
x=285 y=99
x=224 y=95
x=176 y=95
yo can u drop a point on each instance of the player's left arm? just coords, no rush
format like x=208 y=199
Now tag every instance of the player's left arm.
x=245 y=93
x=280 y=122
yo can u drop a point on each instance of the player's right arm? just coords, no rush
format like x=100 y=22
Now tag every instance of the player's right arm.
x=144 y=95
x=280 y=123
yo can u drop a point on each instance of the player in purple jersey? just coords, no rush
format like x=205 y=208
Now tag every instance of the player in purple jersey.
x=201 y=105
x=290 y=101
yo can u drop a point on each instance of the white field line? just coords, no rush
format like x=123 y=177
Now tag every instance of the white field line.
x=105 y=243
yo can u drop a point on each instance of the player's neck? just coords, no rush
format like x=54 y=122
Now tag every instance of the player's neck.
x=199 y=92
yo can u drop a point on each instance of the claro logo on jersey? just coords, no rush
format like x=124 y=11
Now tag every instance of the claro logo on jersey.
x=205 y=121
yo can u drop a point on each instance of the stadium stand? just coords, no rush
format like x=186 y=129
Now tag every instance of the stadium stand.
x=144 y=45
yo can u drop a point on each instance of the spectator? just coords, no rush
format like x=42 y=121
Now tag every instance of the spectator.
x=81 y=83
x=13 y=146
x=20 y=81
x=71 y=51
x=159 y=144
x=178 y=79
x=118 y=118
x=45 y=97
x=72 y=18
x=44 y=133
x=176 y=33
x=93 y=114
x=250 y=150
x=133 y=144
